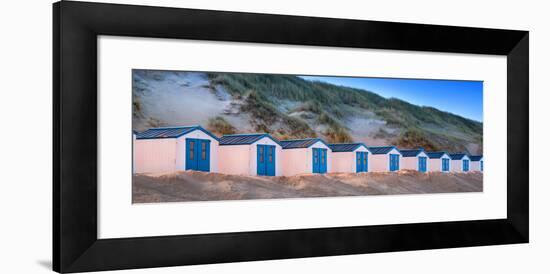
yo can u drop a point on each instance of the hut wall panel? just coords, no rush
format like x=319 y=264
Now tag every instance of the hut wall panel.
x=379 y=163
x=296 y=161
x=434 y=165
x=409 y=163
x=155 y=155
x=235 y=159
x=344 y=162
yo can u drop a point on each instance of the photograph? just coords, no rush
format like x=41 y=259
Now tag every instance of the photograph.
x=209 y=136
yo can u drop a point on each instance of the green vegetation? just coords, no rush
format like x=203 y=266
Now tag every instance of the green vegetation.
x=414 y=138
x=330 y=106
x=218 y=125
x=261 y=108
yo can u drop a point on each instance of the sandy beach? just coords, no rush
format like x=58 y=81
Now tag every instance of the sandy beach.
x=204 y=186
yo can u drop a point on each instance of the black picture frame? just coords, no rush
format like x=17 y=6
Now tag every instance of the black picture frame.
x=76 y=246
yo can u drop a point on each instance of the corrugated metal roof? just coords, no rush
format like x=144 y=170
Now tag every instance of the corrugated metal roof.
x=170 y=132
x=381 y=150
x=302 y=143
x=458 y=156
x=345 y=147
x=244 y=139
x=436 y=155
x=410 y=152
x=476 y=158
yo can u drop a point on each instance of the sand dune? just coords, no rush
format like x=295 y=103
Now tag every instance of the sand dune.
x=203 y=186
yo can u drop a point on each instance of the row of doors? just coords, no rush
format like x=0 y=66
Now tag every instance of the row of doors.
x=198 y=158
x=362 y=164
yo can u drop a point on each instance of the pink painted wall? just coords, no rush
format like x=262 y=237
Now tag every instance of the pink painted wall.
x=295 y=161
x=155 y=155
x=234 y=159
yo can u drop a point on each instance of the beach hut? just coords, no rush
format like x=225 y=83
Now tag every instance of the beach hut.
x=476 y=163
x=460 y=162
x=351 y=157
x=250 y=154
x=306 y=156
x=414 y=159
x=176 y=148
x=439 y=161
x=383 y=159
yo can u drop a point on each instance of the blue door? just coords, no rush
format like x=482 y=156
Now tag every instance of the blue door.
x=266 y=160
x=465 y=165
x=362 y=164
x=323 y=162
x=422 y=164
x=481 y=165
x=445 y=164
x=270 y=169
x=315 y=160
x=359 y=162
x=319 y=161
x=394 y=162
x=197 y=154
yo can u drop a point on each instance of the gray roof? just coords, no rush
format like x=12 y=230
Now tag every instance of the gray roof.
x=244 y=139
x=410 y=152
x=381 y=150
x=170 y=132
x=436 y=155
x=302 y=143
x=476 y=158
x=458 y=156
x=348 y=147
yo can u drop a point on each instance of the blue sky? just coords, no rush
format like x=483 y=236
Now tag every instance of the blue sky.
x=464 y=98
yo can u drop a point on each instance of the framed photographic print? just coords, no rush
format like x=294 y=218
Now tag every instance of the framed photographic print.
x=188 y=136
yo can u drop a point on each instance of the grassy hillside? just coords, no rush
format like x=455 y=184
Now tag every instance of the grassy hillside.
x=291 y=107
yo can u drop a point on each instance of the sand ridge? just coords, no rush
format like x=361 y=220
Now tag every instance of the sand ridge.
x=208 y=186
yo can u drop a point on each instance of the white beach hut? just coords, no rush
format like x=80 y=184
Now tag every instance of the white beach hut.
x=306 y=156
x=350 y=157
x=250 y=154
x=439 y=161
x=176 y=148
x=460 y=162
x=414 y=159
x=476 y=163
x=383 y=159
